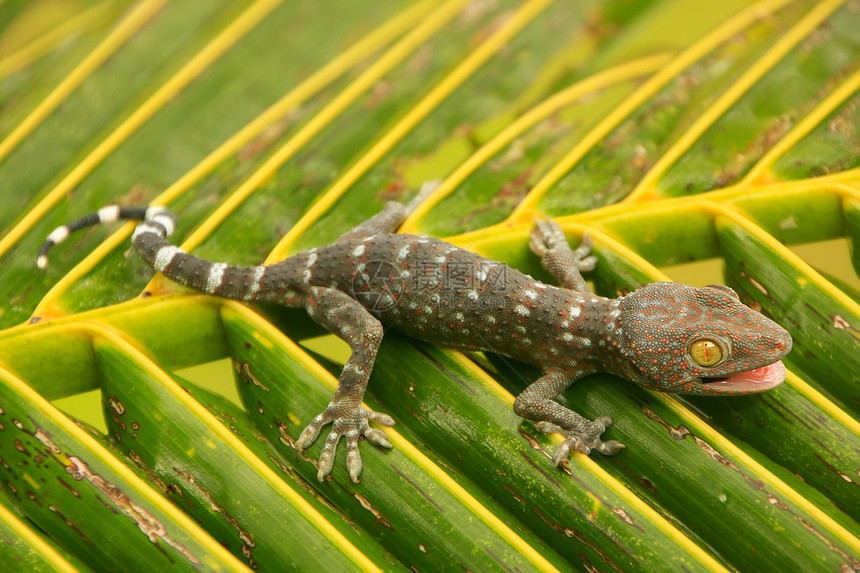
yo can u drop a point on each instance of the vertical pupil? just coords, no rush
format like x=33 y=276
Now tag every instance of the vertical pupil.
x=706 y=352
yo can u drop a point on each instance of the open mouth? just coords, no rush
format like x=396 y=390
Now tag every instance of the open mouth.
x=758 y=380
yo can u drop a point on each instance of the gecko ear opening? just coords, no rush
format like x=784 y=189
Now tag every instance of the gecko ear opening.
x=724 y=288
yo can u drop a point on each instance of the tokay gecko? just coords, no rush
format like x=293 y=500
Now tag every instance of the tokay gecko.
x=663 y=336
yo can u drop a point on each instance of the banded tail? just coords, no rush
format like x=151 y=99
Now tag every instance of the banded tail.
x=150 y=242
x=159 y=216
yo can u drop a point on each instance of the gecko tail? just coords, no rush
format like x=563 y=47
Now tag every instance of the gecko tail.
x=150 y=241
x=157 y=215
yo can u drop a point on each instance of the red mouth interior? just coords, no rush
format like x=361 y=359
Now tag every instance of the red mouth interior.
x=758 y=380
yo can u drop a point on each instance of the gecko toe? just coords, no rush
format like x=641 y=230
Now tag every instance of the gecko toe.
x=610 y=448
x=585 y=245
x=546 y=235
x=586 y=263
x=562 y=453
x=378 y=437
x=538 y=240
x=549 y=428
x=326 y=462
x=553 y=234
x=379 y=418
x=310 y=434
x=353 y=456
x=583 y=438
x=537 y=245
x=350 y=423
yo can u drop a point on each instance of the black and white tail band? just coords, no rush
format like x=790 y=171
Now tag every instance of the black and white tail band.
x=150 y=242
x=157 y=220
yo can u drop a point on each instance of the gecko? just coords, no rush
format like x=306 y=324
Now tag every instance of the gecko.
x=662 y=336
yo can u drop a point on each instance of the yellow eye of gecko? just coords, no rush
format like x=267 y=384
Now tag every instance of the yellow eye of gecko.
x=706 y=352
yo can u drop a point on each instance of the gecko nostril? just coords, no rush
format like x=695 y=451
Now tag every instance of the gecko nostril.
x=784 y=343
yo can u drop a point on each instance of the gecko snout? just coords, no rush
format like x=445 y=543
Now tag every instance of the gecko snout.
x=782 y=343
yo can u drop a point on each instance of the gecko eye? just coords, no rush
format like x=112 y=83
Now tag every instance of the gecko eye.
x=706 y=352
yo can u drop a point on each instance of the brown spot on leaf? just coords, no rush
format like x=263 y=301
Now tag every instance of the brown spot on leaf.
x=70 y=524
x=576 y=534
x=244 y=536
x=840 y=323
x=20 y=447
x=365 y=503
x=116 y=405
x=63 y=483
x=151 y=527
x=248 y=376
x=678 y=433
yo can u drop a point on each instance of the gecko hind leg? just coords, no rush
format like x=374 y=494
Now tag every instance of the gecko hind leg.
x=348 y=320
x=547 y=241
x=391 y=216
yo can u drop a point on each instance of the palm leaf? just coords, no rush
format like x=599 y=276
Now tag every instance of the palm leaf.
x=672 y=133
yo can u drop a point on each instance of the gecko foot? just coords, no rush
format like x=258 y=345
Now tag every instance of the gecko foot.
x=547 y=239
x=583 y=440
x=352 y=424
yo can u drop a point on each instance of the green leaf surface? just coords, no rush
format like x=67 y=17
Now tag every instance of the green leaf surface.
x=87 y=502
x=247 y=512
x=768 y=110
x=25 y=548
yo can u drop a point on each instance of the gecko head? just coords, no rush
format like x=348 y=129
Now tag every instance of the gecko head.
x=699 y=341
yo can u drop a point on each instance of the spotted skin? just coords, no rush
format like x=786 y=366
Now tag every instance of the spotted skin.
x=370 y=279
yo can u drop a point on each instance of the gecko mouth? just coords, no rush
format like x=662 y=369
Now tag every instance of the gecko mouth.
x=751 y=381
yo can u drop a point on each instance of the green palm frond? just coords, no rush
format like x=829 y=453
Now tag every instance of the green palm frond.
x=672 y=132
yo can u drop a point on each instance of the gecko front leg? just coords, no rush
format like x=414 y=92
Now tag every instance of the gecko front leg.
x=348 y=320
x=537 y=403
